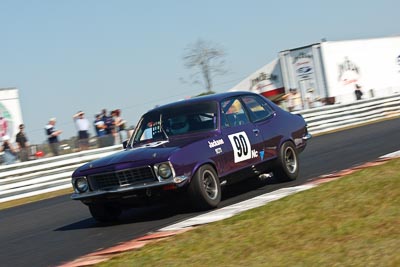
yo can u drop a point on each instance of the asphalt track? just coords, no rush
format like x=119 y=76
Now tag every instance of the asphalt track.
x=50 y=232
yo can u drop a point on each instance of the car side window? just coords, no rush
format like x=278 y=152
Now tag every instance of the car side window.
x=233 y=113
x=257 y=107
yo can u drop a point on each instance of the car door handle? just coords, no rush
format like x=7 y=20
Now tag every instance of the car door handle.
x=256 y=131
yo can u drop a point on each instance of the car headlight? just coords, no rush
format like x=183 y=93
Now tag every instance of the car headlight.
x=81 y=184
x=164 y=170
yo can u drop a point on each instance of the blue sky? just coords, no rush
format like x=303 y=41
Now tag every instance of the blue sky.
x=66 y=56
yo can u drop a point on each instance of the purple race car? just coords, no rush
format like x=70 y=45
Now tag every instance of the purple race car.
x=191 y=148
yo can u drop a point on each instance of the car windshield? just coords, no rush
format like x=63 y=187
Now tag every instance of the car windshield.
x=162 y=123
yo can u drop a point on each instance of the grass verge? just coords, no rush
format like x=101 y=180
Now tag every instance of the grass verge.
x=353 y=221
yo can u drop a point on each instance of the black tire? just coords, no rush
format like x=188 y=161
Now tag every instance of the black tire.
x=104 y=212
x=287 y=166
x=205 y=189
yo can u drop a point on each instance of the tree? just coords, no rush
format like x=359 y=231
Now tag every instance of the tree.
x=207 y=59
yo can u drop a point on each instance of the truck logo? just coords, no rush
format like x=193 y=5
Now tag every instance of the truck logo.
x=263 y=77
x=304 y=70
x=301 y=55
x=349 y=72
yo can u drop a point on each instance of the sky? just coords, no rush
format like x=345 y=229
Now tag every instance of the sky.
x=66 y=56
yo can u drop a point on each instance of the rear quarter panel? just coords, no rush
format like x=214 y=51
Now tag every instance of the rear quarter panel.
x=291 y=126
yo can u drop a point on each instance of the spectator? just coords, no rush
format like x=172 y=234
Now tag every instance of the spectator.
x=100 y=128
x=109 y=129
x=23 y=145
x=9 y=151
x=310 y=98
x=82 y=125
x=3 y=126
x=358 y=92
x=107 y=121
x=52 y=136
x=294 y=100
x=120 y=125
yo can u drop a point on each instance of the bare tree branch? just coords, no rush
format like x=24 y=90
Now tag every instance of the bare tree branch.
x=207 y=60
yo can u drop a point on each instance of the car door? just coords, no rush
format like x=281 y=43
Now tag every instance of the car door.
x=263 y=116
x=242 y=139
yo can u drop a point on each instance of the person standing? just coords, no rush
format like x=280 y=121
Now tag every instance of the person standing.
x=120 y=125
x=9 y=151
x=358 y=92
x=23 y=145
x=309 y=98
x=109 y=129
x=82 y=125
x=52 y=136
x=100 y=129
x=294 y=100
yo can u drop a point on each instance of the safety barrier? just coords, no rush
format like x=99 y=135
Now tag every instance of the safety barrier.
x=40 y=176
x=51 y=174
x=334 y=117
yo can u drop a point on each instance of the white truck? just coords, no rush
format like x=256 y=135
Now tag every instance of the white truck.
x=330 y=71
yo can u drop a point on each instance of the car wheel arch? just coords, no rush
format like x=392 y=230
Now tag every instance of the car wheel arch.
x=204 y=190
x=199 y=165
x=283 y=166
x=285 y=140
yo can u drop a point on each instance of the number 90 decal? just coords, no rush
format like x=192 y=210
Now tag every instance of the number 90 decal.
x=241 y=146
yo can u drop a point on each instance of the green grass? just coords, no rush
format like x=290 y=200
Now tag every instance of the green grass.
x=354 y=221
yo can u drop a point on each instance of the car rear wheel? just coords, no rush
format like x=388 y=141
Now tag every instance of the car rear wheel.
x=287 y=167
x=104 y=212
x=205 y=188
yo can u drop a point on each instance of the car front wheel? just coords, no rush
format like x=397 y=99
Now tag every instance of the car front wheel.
x=205 y=188
x=287 y=167
x=104 y=212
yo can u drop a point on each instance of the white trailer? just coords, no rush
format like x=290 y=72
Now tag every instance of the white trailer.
x=332 y=69
x=374 y=64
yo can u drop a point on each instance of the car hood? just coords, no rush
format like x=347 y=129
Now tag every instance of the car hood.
x=139 y=155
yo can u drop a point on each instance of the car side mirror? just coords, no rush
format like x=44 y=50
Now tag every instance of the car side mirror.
x=125 y=144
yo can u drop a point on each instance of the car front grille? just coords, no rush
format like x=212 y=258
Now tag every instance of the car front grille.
x=130 y=177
